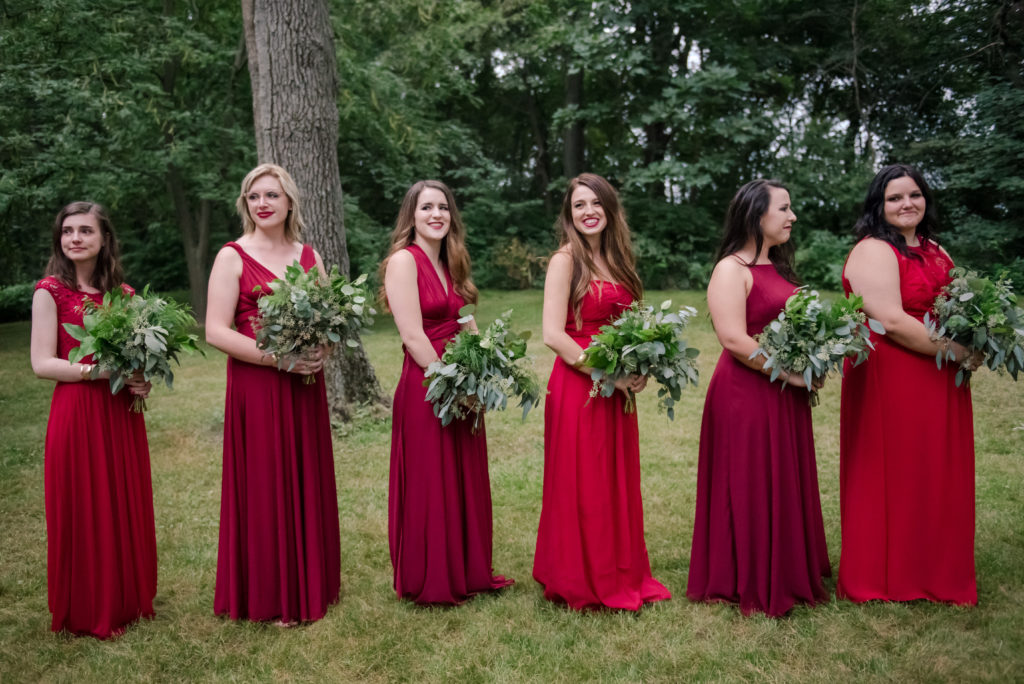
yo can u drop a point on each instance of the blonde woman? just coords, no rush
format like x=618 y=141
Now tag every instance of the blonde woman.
x=279 y=557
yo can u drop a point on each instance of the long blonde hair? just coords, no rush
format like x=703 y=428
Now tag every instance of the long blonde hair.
x=453 y=249
x=616 y=244
x=293 y=223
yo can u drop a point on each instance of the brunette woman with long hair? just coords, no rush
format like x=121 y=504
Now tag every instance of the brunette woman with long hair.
x=279 y=557
x=906 y=446
x=758 y=536
x=439 y=503
x=590 y=542
x=100 y=534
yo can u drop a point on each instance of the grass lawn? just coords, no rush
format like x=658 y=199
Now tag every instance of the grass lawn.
x=515 y=635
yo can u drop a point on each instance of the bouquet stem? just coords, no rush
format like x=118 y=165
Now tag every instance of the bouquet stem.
x=139 y=404
x=630 y=406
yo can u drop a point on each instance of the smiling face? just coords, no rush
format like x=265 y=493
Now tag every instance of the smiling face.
x=432 y=218
x=267 y=202
x=81 y=238
x=904 y=204
x=777 y=221
x=587 y=212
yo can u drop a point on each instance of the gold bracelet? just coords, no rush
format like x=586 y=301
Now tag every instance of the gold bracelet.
x=85 y=372
x=578 y=363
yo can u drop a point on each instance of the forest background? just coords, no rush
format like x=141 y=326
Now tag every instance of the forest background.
x=146 y=107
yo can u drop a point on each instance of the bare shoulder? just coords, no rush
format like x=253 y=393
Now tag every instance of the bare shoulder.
x=560 y=261
x=731 y=268
x=872 y=249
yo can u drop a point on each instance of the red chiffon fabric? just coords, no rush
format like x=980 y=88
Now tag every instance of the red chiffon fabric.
x=907 y=464
x=280 y=547
x=758 y=536
x=590 y=542
x=439 y=502
x=100 y=534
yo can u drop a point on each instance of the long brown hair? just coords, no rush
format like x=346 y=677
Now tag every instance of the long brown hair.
x=616 y=244
x=108 y=273
x=453 y=249
x=293 y=223
x=743 y=224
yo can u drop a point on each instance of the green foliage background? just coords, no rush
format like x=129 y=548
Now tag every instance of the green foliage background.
x=145 y=106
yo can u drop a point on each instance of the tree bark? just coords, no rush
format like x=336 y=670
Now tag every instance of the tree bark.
x=293 y=69
x=572 y=159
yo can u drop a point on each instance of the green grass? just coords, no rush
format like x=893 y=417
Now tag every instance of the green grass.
x=514 y=636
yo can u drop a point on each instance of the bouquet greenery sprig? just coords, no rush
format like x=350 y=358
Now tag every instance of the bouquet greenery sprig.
x=305 y=310
x=481 y=371
x=644 y=341
x=811 y=338
x=125 y=334
x=981 y=314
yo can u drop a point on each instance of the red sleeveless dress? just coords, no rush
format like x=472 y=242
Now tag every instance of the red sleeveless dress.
x=100 y=533
x=439 y=499
x=758 y=536
x=906 y=469
x=279 y=556
x=591 y=551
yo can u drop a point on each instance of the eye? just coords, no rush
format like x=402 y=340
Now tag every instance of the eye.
x=443 y=207
x=272 y=195
x=253 y=197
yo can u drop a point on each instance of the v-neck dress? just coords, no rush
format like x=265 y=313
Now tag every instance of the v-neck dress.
x=439 y=504
x=280 y=546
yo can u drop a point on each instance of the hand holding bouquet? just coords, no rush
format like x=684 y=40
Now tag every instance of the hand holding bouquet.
x=305 y=310
x=481 y=371
x=643 y=341
x=811 y=338
x=981 y=314
x=128 y=334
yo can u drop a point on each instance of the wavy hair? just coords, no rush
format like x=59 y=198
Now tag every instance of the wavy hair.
x=743 y=224
x=615 y=246
x=453 y=248
x=872 y=221
x=108 y=273
x=293 y=223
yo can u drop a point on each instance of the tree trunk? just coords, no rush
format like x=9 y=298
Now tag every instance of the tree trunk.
x=572 y=159
x=293 y=69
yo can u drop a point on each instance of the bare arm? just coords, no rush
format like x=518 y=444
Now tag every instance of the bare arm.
x=45 y=362
x=727 y=301
x=404 y=301
x=874 y=273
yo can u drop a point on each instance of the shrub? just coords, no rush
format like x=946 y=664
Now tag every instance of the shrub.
x=16 y=302
x=820 y=257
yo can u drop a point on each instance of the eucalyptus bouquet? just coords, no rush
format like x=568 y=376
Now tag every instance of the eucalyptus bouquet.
x=126 y=333
x=981 y=314
x=481 y=371
x=811 y=338
x=303 y=311
x=645 y=342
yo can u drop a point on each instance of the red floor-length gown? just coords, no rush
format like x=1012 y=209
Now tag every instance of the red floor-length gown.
x=590 y=541
x=439 y=500
x=100 y=534
x=758 y=536
x=906 y=469
x=280 y=547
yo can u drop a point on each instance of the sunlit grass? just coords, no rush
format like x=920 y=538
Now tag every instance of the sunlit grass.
x=516 y=635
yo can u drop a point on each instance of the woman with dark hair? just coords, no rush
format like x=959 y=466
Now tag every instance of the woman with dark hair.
x=279 y=556
x=590 y=542
x=758 y=537
x=100 y=534
x=439 y=502
x=906 y=431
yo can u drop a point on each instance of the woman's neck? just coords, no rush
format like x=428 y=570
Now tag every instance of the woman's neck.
x=83 y=276
x=432 y=248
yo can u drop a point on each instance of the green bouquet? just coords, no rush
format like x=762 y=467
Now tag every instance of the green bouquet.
x=126 y=334
x=643 y=341
x=811 y=338
x=304 y=311
x=981 y=314
x=481 y=371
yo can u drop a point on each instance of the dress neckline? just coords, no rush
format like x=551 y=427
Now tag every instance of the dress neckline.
x=445 y=287
x=259 y=263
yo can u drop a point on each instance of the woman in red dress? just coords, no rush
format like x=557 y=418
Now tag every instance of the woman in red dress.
x=590 y=542
x=279 y=556
x=758 y=536
x=906 y=431
x=439 y=499
x=100 y=535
